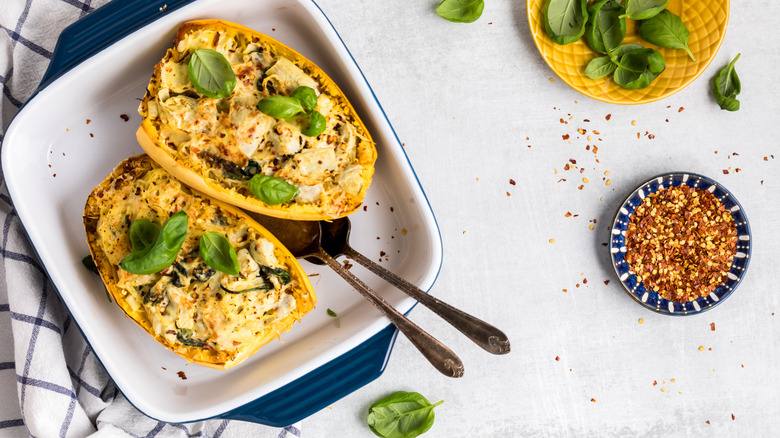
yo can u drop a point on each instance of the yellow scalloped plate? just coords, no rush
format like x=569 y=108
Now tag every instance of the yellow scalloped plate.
x=706 y=20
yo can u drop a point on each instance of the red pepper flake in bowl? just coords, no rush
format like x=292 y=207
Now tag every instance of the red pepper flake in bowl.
x=681 y=242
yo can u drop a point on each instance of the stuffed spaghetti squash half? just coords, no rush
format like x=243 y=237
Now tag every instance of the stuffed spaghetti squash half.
x=247 y=120
x=200 y=276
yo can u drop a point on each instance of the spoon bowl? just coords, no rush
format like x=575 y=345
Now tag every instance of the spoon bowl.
x=303 y=240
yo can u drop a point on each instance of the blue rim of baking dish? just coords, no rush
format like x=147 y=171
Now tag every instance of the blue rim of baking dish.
x=617 y=247
x=318 y=388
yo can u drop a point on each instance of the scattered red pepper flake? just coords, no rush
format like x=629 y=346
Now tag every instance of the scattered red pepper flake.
x=593 y=400
x=181 y=375
x=712 y=326
x=557 y=358
x=655 y=382
x=564 y=179
x=124 y=117
x=606 y=282
x=733 y=417
x=681 y=109
x=708 y=421
x=609 y=116
x=88 y=121
x=565 y=136
x=511 y=181
x=725 y=171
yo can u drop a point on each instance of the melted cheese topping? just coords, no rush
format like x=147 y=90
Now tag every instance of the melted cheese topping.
x=229 y=140
x=190 y=303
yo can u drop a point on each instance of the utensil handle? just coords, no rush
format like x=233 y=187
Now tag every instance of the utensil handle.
x=441 y=357
x=481 y=333
x=101 y=28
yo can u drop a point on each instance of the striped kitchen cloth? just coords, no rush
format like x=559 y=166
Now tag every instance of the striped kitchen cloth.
x=51 y=383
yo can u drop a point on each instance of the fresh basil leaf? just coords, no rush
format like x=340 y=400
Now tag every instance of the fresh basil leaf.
x=618 y=53
x=599 y=67
x=564 y=20
x=143 y=234
x=317 y=125
x=89 y=263
x=726 y=87
x=666 y=30
x=283 y=107
x=644 y=9
x=638 y=68
x=605 y=28
x=211 y=73
x=332 y=313
x=401 y=415
x=162 y=252
x=218 y=253
x=307 y=96
x=272 y=190
x=461 y=11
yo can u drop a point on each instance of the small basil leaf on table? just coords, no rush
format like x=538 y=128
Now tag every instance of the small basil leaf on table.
x=143 y=234
x=317 y=124
x=282 y=107
x=638 y=68
x=272 y=190
x=564 y=20
x=461 y=11
x=599 y=67
x=401 y=415
x=211 y=73
x=644 y=9
x=726 y=87
x=307 y=96
x=162 y=253
x=605 y=28
x=218 y=253
x=666 y=30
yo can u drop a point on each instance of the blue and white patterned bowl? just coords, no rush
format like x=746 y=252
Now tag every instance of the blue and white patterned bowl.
x=636 y=289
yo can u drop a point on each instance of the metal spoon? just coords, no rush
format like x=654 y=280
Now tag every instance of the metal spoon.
x=302 y=238
x=335 y=241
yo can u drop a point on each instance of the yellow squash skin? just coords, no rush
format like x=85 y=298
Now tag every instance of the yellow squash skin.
x=183 y=130
x=231 y=326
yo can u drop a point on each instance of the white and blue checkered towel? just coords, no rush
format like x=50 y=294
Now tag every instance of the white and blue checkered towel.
x=51 y=384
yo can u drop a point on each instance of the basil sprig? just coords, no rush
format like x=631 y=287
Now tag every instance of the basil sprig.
x=211 y=73
x=726 y=86
x=307 y=97
x=461 y=11
x=302 y=101
x=282 y=107
x=564 y=20
x=150 y=258
x=401 y=415
x=644 y=9
x=605 y=29
x=143 y=234
x=317 y=125
x=272 y=190
x=638 y=68
x=218 y=253
x=666 y=30
x=605 y=65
